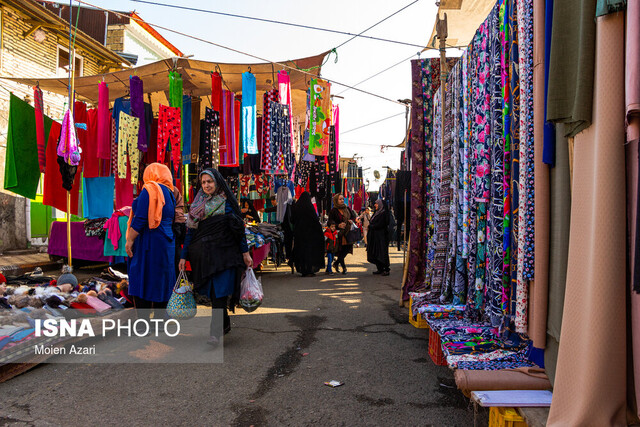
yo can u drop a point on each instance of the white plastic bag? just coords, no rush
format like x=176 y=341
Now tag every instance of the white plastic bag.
x=251 y=294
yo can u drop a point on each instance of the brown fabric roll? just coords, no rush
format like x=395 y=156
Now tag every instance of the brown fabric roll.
x=538 y=287
x=590 y=385
x=507 y=379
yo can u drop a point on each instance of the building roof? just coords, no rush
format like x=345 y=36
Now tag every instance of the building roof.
x=38 y=16
x=463 y=19
x=94 y=22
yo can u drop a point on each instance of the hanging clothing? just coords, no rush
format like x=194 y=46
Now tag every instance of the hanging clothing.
x=104 y=123
x=91 y=161
x=38 y=105
x=22 y=168
x=266 y=160
x=281 y=156
x=97 y=197
x=209 y=141
x=249 y=114
x=284 y=91
x=128 y=130
x=169 y=125
x=186 y=130
x=137 y=110
x=196 y=105
x=228 y=143
x=53 y=193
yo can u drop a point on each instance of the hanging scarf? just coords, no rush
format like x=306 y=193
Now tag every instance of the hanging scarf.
x=68 y=147
x=205 y=205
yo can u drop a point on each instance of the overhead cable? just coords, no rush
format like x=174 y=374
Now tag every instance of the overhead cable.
x=271 y=21
x=372 y=123
x=241 y=52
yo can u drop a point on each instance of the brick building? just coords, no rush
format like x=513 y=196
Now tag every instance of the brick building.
x=34 y=42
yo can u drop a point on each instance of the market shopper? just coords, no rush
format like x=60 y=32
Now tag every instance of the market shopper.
x=308 y=238
x=150 y=240
x=216 y=247
x=378 y=246
x=248 y=211
x=365 y=217
x=344 y=217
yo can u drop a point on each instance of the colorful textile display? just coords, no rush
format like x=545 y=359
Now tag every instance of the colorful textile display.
x=320 y=117
x=249 y=114
x=104 y=122
x=265 y=160
x=284 y=90
x=22 y=169
x=38 y=105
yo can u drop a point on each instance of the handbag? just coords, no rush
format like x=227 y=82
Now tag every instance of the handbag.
x=182 y=304
x=354 y=235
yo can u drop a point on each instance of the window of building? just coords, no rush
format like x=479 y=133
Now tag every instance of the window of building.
x=63 y=63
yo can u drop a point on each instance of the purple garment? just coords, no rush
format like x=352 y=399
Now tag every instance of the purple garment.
x=137 y=109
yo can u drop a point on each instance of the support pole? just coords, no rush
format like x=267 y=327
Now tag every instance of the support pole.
x=442 y=33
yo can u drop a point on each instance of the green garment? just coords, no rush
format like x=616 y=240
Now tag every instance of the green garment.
x=606 y=7
x=21 y=169
x=175 y=98
x=572 y=64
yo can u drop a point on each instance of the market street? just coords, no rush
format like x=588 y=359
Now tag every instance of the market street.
x=351 y=327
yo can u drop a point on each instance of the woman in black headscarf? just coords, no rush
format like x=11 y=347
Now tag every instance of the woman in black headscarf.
x=344 y=217
x=378 y=239
x=308 y=240
x=216 y=247
x=248 y=211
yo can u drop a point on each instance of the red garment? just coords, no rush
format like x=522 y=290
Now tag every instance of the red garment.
x=124 y=190
x=299 y=191
x=151 y=156
x=38 y=105
x=216 y=92
x=103 y=132
x=169 y=129
x=228 y=147
x=237 y=107
x=90 y=148
x=258 y=204
x=53 y=193
x=2 y=278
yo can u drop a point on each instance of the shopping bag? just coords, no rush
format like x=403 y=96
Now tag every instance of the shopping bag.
x=182 y=304
x=354 y=235
x=250 y=291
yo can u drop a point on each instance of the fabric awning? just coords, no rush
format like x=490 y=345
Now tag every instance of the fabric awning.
x=196 y=80
x=463 y=19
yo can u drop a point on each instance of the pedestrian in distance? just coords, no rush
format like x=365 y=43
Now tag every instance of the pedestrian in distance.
x=344 y=217
x=378 y=246
x=330 y=238
x=308 y=241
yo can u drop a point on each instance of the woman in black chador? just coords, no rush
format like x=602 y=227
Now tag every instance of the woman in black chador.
x=378 y=239
x=308 y=240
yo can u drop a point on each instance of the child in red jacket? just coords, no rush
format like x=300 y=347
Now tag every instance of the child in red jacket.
x=330 y=238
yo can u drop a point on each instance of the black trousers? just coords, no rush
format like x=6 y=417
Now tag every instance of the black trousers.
x=382 y=267
x=158 y=308
x=219 y=304
x=341 y=255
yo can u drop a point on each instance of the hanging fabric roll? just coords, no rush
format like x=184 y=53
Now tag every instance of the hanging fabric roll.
x=249 y=114
x=284 y=88
x=265 y=161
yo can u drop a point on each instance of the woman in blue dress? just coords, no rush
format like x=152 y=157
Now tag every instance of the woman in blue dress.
x=216 y=247
x=150 y=242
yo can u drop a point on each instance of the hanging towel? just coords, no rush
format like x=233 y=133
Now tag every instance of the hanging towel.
x=22 y=169
x=39 y=108
x=104 y=122
x=53 y=193
x=249 y=114
x=186 y=129
x=97 y=197
x=136 y=90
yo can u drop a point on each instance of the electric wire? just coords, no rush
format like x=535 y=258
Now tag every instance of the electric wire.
x=242 y=53
x=272 y=21
x=373 y=123
x=376 y=24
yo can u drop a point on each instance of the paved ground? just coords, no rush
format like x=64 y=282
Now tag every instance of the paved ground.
x=351 y=327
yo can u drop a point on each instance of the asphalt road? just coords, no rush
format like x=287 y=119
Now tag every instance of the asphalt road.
x=309 y=330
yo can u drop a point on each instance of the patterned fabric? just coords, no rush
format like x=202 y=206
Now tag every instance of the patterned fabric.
x=114 y=148
x=525 y=180
x=320 y=117
x=128 y=146
x=169 y=125
x=209 y=156
x=282 y=158
x=265 y=159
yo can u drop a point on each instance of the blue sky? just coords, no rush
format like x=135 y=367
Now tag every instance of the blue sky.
x=357 y=60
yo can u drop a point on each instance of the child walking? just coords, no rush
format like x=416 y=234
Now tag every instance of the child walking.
x=330 y=237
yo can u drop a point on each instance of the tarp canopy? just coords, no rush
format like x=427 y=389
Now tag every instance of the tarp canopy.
x=463 y=19
x=196 y=80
